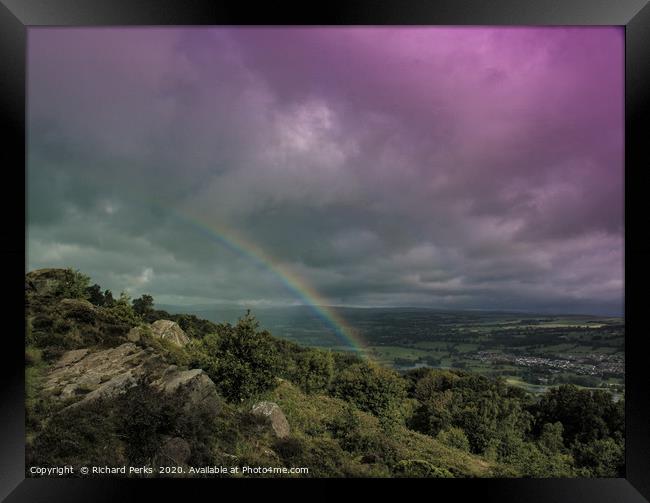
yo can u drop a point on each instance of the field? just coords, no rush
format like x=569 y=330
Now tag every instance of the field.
x=529 y=350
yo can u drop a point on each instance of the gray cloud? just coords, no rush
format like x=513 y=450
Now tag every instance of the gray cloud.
x=442 y=168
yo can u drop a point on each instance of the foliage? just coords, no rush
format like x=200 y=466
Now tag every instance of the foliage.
x=122 y=312
x=493 y=420
x=315 y=370
x=454 y=437
x=417 y=468
x=347 y=429
x=241 y=359
x=73 y=285
x=192 y=325
x=603 y=457
x=371 y=388
x=586 y=415
x=171 y=352
x=128 y=429
x=348 y=417
x=143 y=306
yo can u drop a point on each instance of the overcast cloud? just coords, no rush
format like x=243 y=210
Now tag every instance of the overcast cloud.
x=443 y=167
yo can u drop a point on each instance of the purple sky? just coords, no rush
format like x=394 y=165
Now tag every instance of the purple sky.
x=472 y=168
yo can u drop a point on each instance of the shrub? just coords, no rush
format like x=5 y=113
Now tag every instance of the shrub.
x=346 y=428
x=121 y=312
x=73 y=285
x=143 y=305
x=372 y=389
x=314 y=370
x=600 y=458
x=418 y=468
x=241 y=360
x=454 y=437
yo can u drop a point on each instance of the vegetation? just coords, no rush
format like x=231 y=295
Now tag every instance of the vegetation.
x=241 y=360
x=348 y=417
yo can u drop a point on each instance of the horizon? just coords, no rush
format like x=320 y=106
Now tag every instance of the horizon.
x=200 y=308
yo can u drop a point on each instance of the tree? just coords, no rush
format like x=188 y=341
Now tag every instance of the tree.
x=346 y=428
x=109 y=301
x=492 y=417
x=373 y=389
x=73 y=285
x=314 y=370
x=95 y=295
x=600 y=458
x=585 y=415
x=419 y=468
x=454 y=437
x=144 y=305
x=241 y=360
x=121 y=311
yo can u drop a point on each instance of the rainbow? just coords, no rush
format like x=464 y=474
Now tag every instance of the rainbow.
x=292 y=282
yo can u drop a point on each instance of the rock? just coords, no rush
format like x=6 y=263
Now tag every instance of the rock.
x=70 y=357
x=175 y=451
x=277 y=419
x=111 y=372
x=45 y=281
x=196 y=386
x=100 y=374
x=169 y=330
x=137 y=333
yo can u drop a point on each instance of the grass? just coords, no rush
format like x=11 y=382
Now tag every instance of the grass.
x=309 y=415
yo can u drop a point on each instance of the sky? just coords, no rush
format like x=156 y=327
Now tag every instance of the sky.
x=442 y=167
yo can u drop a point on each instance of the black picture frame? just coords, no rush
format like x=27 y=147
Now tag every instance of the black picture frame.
x=16 y=16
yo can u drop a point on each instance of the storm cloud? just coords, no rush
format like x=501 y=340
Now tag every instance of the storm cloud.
x=476 y=168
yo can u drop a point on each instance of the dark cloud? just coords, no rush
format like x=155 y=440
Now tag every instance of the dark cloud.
x=443 y=167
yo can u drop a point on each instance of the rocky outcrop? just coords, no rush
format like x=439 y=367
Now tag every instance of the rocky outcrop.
x=277 y=420
x=46 y=282
x=91 y=375
x=169 y=330
x=86 y=376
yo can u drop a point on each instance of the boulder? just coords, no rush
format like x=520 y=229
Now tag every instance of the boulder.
x=277 y=419
x=169 y=330
x=196 y=386
x=137 y=333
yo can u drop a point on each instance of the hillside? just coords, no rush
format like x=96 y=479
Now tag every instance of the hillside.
x=116 y=383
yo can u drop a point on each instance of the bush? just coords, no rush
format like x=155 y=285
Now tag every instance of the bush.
x=79 y=436
x=418 y=468
x=121 y=312
x=346 y=429
x=241 y=360
x=600 y=458
x=455 y=438
x=314 y=370
x=194 y=327
x=372 y=389
x=493 y=419
x=73 y=285
x=586 y=415
x=143 y=306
